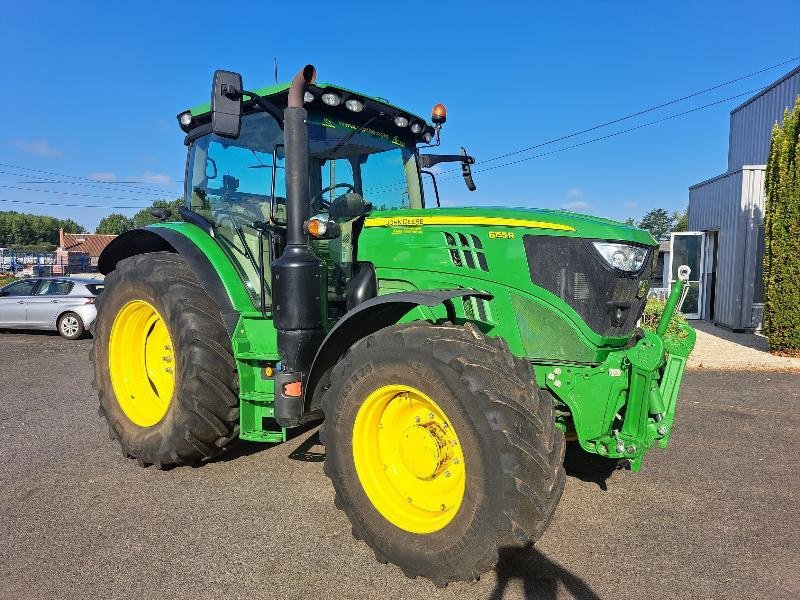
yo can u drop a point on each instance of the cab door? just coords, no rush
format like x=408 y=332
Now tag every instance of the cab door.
x=687 y=248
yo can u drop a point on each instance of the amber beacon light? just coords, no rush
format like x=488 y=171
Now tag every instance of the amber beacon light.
x=439 y=114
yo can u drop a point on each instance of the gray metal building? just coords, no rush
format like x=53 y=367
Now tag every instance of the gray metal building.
x=726 y=215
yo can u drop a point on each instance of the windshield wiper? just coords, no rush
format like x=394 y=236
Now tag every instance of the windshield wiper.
x=260 y=164
x=350 y=136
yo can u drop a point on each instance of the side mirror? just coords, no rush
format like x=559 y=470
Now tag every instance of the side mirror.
x=347 y=207
x=226 y=104
x=466 y=169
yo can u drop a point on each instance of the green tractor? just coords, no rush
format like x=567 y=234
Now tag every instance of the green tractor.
x=450 y=351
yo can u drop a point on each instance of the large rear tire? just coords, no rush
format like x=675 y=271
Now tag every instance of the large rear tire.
x=163 y=365
x=441 y=449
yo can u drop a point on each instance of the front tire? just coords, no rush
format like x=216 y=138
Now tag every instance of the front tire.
x=164 y=369
x=441 y=449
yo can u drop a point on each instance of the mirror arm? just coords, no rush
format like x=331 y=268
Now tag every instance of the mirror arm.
x=266 y=106
x=435 y=186
x=428 y=160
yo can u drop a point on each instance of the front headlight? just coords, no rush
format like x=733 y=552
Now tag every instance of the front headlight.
x=622 y=256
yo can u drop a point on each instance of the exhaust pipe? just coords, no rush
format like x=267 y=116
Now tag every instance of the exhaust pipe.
x=299 y=283
x=295 y=132
x=298 y=87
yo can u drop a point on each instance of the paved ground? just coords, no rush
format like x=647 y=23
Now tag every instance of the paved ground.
x=719 y=348
x=716 y=515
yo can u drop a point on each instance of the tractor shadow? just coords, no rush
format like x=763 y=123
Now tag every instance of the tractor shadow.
x=303 y=452
x=310 y=449
x=541 y=577
x=591 y=468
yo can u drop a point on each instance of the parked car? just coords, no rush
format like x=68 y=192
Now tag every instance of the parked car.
x=65 y=304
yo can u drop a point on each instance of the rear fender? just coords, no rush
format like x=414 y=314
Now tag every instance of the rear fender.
x=205 y=258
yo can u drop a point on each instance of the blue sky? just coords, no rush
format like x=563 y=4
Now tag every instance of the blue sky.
x=91 y=90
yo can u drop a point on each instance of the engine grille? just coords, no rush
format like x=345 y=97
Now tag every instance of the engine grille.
x=609 y=301
x=466 y=251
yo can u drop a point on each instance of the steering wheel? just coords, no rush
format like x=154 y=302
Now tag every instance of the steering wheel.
x=319 y=204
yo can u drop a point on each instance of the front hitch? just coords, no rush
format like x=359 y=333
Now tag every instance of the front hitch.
x=623 y=407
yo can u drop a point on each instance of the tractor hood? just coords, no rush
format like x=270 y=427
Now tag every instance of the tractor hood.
x=534 y=221
x=531 y=261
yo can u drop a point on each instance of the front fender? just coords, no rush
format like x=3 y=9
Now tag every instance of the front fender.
x=367 y=318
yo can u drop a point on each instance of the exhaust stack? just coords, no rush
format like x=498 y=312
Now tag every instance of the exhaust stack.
x=296 y=147
x=298 y=277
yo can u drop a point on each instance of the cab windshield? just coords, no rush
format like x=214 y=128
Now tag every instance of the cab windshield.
x=235 y=183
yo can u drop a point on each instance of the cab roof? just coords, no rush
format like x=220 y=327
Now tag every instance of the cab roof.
x=278 y=95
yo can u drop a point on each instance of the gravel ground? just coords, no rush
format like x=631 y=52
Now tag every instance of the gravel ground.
x=714 y=516
x=721 y=349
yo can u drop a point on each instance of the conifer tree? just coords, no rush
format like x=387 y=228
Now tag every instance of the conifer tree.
x=782 y=236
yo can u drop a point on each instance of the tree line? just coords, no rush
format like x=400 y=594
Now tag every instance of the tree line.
x=37 y=233
x=661 y=223
x=28 y=232
x=117 y=223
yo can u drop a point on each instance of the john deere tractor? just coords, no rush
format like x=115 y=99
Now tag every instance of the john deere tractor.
x=450 y=351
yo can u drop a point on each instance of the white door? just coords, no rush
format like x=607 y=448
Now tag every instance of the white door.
x=686 y=248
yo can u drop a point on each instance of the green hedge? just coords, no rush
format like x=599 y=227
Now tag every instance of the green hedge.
x=679 y=338
x=652 y=315
x=782 y=236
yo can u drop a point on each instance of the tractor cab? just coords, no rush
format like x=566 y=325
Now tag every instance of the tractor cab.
x=362 y=157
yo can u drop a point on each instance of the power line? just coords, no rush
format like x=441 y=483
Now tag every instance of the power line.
x=35 y=203
x=610 y=135
x=63 y=193
x=133 y=184
x=98 y=185
x=79 y=177
x=445 y=174
x=642 y=111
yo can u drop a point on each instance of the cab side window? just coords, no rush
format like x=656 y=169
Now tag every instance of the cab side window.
x=20 y=288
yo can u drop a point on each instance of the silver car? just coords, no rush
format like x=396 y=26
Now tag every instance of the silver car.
x=65 y=304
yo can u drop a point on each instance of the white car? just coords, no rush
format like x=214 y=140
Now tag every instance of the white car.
x=65 y=304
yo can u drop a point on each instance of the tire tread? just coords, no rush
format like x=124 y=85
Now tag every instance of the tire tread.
x=533 y=471
x=208 y=394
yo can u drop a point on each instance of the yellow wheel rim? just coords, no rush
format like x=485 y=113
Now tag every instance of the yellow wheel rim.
x=409 y=459
x=141 y=363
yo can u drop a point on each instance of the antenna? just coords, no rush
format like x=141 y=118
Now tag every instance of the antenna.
x=275 y=64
